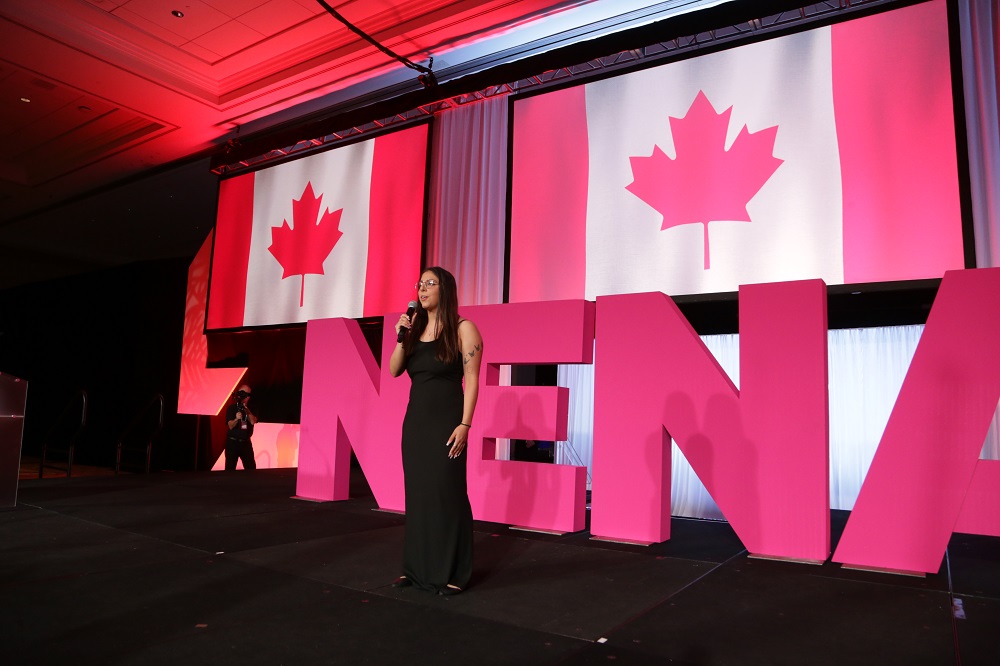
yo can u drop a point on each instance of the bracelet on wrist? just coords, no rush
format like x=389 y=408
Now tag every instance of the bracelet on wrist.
x=467 y=425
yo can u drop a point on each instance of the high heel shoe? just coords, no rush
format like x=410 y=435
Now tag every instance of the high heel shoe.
x=449 y=590
x=402 y=581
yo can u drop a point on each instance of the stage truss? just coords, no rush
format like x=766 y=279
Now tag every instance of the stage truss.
x=654 y=53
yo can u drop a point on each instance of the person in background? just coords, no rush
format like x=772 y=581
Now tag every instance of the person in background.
x=240 y=422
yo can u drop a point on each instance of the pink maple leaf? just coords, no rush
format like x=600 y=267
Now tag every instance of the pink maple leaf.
x=304 y=248
x=705 y=182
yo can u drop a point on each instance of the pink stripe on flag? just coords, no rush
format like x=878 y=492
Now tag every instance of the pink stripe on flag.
x=395 y=220
x=896 y=131
x=231 y=253
x=548 y=237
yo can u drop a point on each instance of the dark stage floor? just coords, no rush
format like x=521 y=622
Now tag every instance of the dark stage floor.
x=210 y=568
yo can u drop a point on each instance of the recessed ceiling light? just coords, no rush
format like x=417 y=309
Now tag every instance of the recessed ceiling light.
x=178 y=13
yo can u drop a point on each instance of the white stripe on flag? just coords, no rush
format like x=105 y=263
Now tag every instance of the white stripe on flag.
x=343 y=178
x=796 y=227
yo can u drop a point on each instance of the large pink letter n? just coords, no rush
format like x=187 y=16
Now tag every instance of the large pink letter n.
x=761 y=451
x=347 y=402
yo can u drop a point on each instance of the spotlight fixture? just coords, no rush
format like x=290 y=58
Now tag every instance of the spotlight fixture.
x=427 y=79
x=177 y=13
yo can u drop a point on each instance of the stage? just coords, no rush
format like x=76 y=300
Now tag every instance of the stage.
x=207 y=567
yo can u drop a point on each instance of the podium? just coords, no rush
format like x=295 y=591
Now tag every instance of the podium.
x=13 y=393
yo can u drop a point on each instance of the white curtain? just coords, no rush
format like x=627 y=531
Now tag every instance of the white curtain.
x=466 y=231
x=688 y=496
x=979 y=22
x=579 y=445
x=979 y=29
x=467 y=227
x=866 y=370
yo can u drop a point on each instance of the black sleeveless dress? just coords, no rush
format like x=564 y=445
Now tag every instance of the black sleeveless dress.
x=437 y=547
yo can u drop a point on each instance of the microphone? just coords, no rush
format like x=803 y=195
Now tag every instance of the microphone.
x=411 y=307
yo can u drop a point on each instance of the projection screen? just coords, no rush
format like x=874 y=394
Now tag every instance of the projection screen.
x=828 y=153
x=333 y=234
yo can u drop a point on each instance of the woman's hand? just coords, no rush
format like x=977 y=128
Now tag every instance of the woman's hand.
x=459 y=437
x=397 y=361
x=404 y=322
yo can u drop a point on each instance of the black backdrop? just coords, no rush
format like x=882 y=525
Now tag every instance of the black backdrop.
x=115 y=334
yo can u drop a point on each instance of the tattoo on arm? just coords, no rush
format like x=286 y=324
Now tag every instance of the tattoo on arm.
x=471 y=354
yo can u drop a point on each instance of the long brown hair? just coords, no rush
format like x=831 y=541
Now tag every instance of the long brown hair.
x=447 y=315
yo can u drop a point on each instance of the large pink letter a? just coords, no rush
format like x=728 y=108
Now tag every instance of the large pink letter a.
x=926 y=480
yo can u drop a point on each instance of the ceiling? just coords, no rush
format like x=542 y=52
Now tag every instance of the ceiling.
x=112 y=109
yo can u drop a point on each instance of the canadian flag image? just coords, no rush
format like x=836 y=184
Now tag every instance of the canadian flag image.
x=335 y=234
x=829 y=153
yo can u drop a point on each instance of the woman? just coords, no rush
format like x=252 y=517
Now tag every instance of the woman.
x=440 y=350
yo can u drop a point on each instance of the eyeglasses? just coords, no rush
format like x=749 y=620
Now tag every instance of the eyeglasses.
x=426 y=283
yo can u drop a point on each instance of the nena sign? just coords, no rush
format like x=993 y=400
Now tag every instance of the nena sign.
x=762 y=451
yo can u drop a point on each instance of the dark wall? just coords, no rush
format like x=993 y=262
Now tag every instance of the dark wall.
x=116 y=334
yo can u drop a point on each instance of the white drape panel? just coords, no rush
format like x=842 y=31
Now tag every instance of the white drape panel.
x=979 y=22
x=466 y=230
x=979 y=25
x=579 y=447
x=467 y=221
x=866 y=370
x=688 y=496
x=991 y=449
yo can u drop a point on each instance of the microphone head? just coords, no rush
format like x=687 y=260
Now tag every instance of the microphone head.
x=412 y=305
